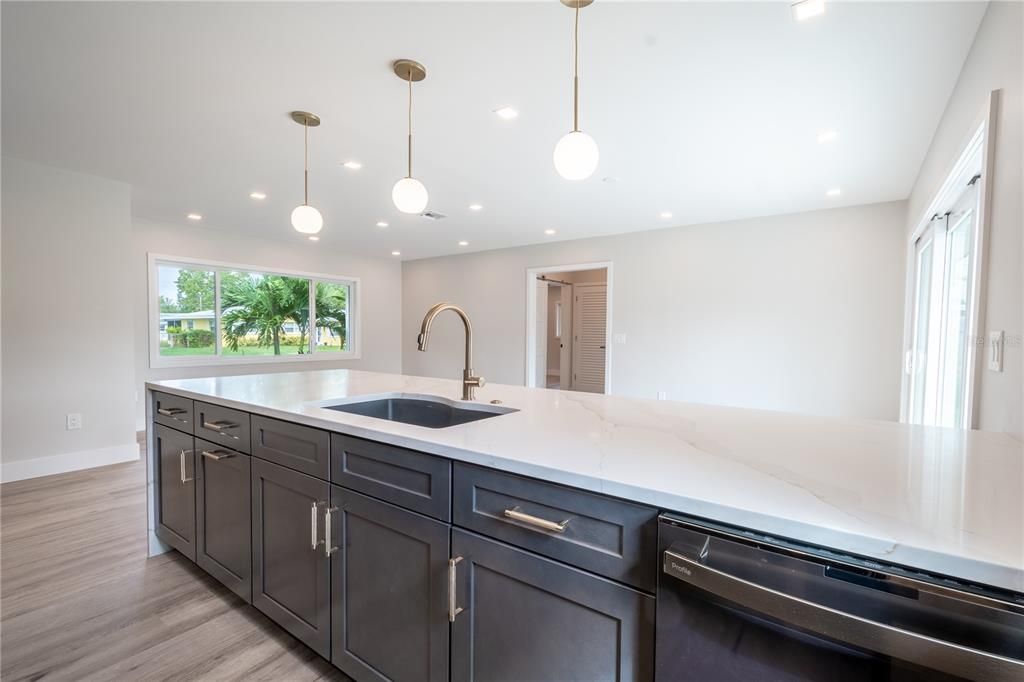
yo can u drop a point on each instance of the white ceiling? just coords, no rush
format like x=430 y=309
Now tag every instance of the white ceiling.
x=707 y=110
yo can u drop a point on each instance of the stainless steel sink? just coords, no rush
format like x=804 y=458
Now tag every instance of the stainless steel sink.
x=432 y=412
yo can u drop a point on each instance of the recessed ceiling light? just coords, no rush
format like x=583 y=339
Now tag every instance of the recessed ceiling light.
x=665 y=214
x=507 y=113
x=314 y=238
x=463 y=243
x=827 y=136
x=194 y=216
x=396 y=253
x=352 y=165
x=549 y=231
x=834 y=192
x=805 y=9
x=381 y=223
x=475 y=207
x=257 y=195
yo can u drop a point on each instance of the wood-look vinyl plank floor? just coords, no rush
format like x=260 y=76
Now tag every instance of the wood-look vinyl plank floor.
x=79 y=599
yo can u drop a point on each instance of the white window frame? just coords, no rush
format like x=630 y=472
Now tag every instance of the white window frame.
x=981 y=140
x=159 y=361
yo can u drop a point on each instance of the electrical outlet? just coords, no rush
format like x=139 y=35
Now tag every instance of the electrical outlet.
x=74 y=421
x=662 y=395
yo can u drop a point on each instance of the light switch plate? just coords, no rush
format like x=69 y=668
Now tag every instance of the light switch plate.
x=995 y=345
x=619 y=338
x=74 y=421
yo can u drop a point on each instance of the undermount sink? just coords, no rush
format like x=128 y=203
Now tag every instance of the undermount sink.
x=432 y=412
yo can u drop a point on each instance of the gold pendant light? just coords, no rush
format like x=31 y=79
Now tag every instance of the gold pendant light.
x=576 y=153
x=305 y=218
x=409 y=194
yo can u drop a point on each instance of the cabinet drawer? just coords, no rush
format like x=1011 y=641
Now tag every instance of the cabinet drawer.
x=223 y=426
x=173 y=410
x=610 y=537
x=410 y=479
x=296 y=447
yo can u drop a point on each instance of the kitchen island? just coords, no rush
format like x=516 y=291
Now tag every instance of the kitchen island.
x=941 y=502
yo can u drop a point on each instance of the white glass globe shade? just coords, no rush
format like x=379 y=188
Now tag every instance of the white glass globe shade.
x=307 y=220
x=576 y=156
x=409 y=195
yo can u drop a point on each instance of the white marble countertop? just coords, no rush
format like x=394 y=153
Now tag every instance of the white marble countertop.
x=945 y=501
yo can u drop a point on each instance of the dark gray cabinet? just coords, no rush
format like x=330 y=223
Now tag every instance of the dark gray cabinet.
x=410 y=479
x=175 y=483
x=290 y=576
x=223 y=511
x=389 y=581
x=530 y=618
x=296 y=447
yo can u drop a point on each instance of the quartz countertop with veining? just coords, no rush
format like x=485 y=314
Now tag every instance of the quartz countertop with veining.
x=945 y=501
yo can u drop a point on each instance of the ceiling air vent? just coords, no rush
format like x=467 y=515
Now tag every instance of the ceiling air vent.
x=433 y=215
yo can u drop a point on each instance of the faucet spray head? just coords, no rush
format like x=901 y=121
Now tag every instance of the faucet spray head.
x=421 y=341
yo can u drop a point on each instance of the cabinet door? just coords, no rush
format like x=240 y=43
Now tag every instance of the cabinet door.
x=389 y=578
x=223 y=531
x=291 y=581
x=530 y=618
x=175 y=472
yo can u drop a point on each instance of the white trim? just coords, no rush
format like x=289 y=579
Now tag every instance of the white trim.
x=980 y=140
x=531 y=318
x=21 y=469
x=157 y=361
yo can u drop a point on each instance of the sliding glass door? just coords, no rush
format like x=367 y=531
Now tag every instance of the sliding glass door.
x=938 y=362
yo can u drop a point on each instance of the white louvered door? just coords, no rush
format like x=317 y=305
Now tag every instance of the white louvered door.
x=589 y=316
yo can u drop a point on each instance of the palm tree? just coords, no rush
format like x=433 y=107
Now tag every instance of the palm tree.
x=260 y=305
x=332 y=308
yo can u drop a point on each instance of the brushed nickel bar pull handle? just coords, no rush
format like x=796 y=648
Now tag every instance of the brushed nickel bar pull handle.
x=221 y=428
x=329 y=549
x=217 y=455
x=453 y=610
x=886 y=639
x=171 y=411
x=536 y=521
x=181 y=468
x=313 y=509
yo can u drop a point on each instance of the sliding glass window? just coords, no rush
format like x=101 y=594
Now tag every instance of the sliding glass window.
x=212 y=313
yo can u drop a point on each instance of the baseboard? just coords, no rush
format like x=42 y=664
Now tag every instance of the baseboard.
x=20 y=469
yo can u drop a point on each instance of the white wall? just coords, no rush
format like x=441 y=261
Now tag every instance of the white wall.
x=799 y=312
x=380 y=298
x=994 y=63
x=67 y=312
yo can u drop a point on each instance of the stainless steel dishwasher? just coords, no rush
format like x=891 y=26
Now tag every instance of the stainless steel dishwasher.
x=733 y=605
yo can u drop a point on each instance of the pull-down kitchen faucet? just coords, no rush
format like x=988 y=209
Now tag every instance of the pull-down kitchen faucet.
x=469 y=382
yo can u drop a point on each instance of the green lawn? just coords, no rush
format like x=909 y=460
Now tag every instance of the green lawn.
x=241 y=352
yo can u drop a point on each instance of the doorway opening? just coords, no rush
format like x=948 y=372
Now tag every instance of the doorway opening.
x=568 y=326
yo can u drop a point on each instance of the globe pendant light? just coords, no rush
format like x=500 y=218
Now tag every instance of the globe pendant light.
x=409 y=194
x=576 y=154
x=305 y=218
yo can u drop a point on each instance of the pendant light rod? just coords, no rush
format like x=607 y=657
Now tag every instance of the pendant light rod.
x=410 y=126
x=307 y=121
x=576 y=72
x=411 y=72
x=576 y=5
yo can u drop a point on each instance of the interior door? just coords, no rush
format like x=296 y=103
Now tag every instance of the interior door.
x=565 y=342
x=540 y=369
x=590 y=315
